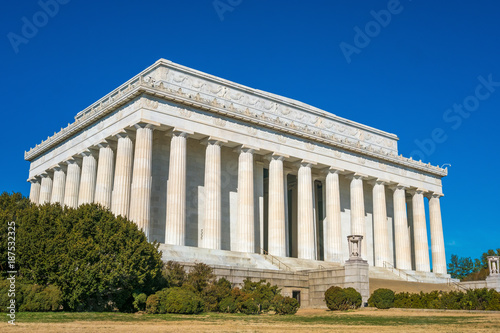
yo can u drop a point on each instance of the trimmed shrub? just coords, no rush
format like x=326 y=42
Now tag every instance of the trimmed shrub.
x=261 y=292
x=382 y=299
x=140 y=301
x=214 y=293
x=228 y=305
x=285 y=305
x=174 y=300
x=249 y=307
x=153 y=304
x=39 y=299
x=342 y=299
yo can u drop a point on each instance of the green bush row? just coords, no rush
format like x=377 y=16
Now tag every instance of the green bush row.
x=474 y=299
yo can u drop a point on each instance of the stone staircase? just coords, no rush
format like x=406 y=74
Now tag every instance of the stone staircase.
x=190 y=254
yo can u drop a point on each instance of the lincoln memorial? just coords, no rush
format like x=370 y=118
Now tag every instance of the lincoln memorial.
x=206 y=165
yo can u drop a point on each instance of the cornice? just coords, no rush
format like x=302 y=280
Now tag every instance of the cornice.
x=154 y=82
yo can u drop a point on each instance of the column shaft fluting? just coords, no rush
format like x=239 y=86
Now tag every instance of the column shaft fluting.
x=245 y=229
x=58 y=186
x=380 y=232
x=45 y=189
x=401 y=233
x=35 y=191
x=104 y=182
x=305 y=214
x=212 y=222
x=175 y=231
x=333 y=246
x=140 y=192
x=120 y=198
x=276 y=208
x=358 y=211
x=437 y=239
x=72 y=184
x=420 y=233
x=87 y=180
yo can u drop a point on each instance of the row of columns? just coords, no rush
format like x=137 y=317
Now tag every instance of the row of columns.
x=125 y=188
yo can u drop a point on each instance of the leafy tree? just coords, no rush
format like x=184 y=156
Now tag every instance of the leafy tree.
x=200 y=276
x=174 y=274
x=97 y=260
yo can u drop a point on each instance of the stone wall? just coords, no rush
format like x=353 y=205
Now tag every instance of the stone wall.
x=311 y=284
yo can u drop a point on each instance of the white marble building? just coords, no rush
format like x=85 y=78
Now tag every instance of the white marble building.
x=200 y=161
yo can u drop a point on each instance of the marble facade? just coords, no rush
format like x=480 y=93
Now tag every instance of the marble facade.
x=196 y=160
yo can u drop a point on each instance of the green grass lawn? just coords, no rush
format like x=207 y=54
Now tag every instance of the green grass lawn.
x=328 y=318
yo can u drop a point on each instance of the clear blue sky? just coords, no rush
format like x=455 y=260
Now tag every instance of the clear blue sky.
x=405 y=79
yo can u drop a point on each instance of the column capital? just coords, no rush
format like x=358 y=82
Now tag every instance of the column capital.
x=123 y=133
x=71 y=160
x=379 y=181
x=34 y=179
x=212 y=140
x=246 y=149
x=398 y=186
x=306 y=163
x=146 y=124
x=88 y=152
x=177 y=131
x=414 y=191
x=431 y=194
x=276 y=156
x=357 y=175
x=104 y=144
x=44 y=174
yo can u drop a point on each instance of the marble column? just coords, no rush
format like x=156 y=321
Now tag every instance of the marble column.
x=58 y=186
x=45 y=189
x=437 y=239
x=35 y=190
x=87 y=179
x=276 y=207
x=333 y=227
x=420 y=232
x=140 y=191
x=305 y=213
x=72 y=184
x=212 y=221
x=120 y=198
x=245 y=228
x=104 y=181
x=402 y=242
x=380 y=230
x=175 y=230
x=358 y=210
